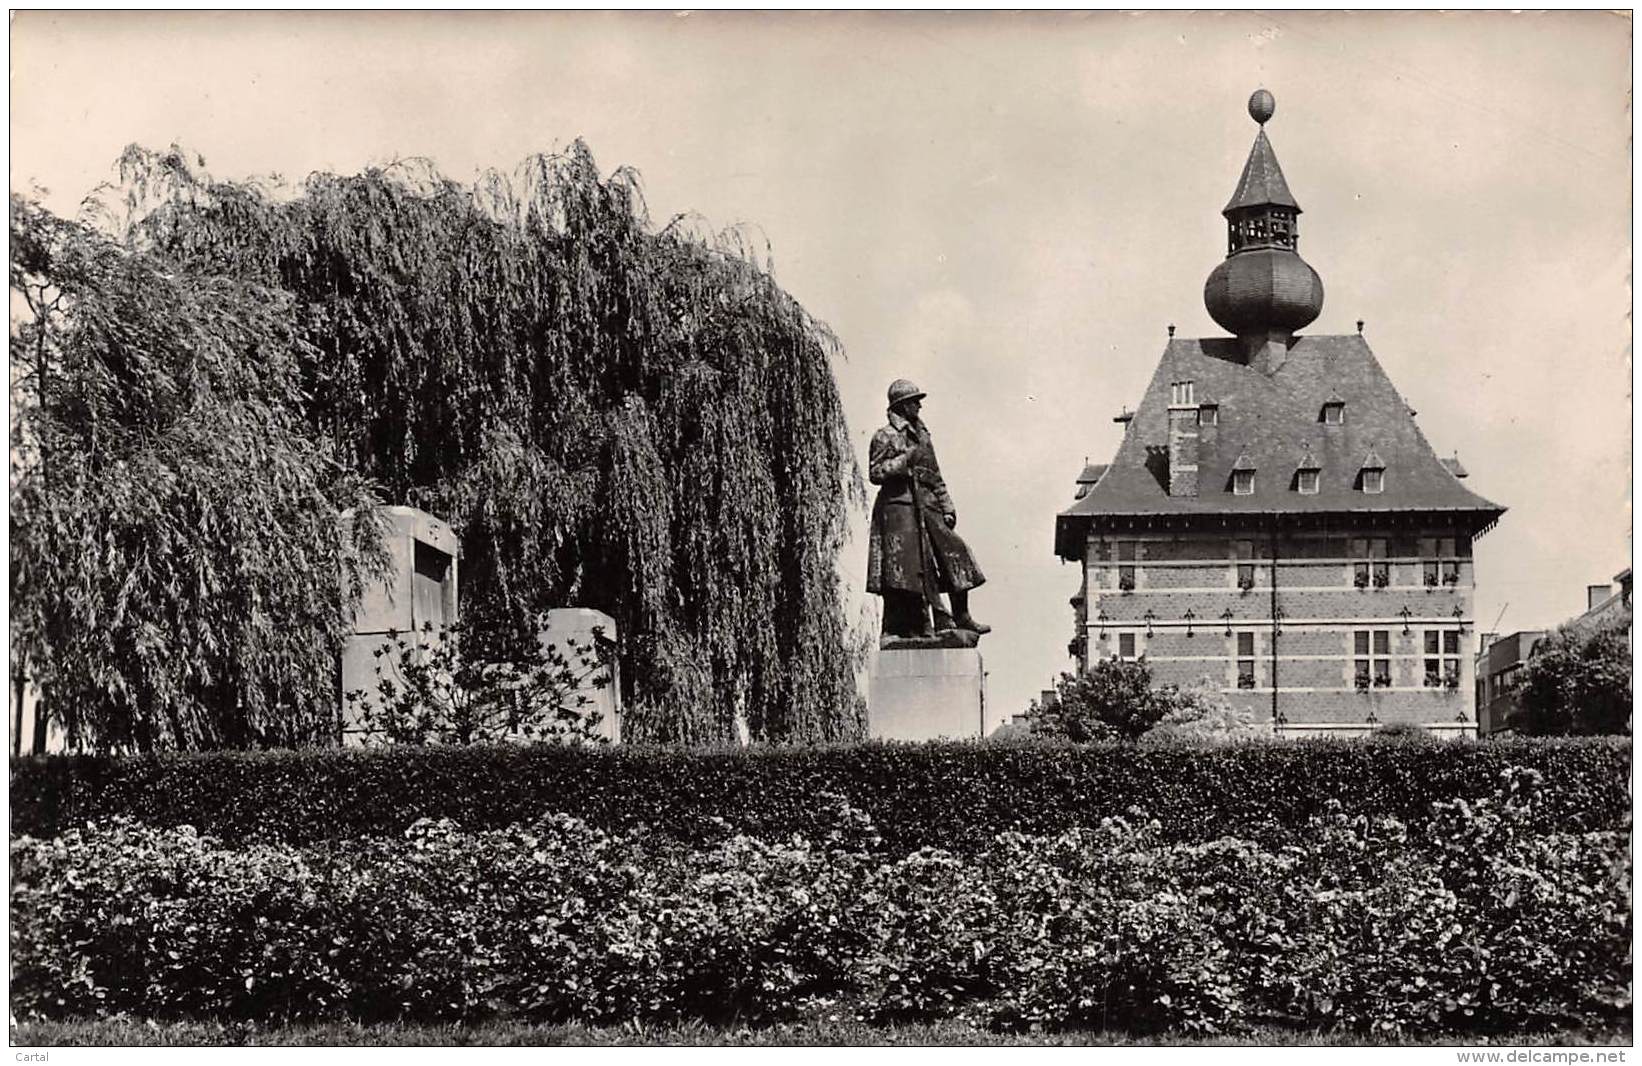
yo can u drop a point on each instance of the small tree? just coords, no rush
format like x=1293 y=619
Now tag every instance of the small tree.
x=445 y=687
x=1200 y=713
x=1578 y=681
x=1113 y=699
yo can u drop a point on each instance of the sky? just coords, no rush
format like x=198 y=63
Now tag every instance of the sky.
x=1010 y=210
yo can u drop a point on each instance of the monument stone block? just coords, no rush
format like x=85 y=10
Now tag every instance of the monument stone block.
x=926 y=694
x=419 y=591
x=574 y=631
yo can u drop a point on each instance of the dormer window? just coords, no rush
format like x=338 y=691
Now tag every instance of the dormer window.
x=1208 y=414
x=1334 y=412
x=1307 y=473
x=1372 y=478
x=1243 y=476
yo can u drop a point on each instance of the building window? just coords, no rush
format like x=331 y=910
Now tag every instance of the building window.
x=1373 y=658
x=1442 y=658
x=1245 y=576
x=1125 y=645
x=1245 y=660
x=1334 y=413
x=1371 y=567
x=1373 y=481
x=1441 y=565
x=1243 y=482
x=1208 y=415
x=1126 y=565
x=1308 y=482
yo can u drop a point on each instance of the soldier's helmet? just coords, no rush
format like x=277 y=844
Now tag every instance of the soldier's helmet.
x=902 y=390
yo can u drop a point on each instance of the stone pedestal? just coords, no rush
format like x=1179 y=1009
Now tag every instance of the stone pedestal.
x=416 y=601
x=575 y=631
x=926 y=694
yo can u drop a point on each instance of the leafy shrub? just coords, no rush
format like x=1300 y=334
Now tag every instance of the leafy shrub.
x=1201 y=714
x=1477 y=922
x=957 y=797
x=1578 y=681
x=1112 y=700
x=1402 y=731
x=446 y=687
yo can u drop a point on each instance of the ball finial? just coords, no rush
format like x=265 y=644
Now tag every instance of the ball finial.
x=1262 y=105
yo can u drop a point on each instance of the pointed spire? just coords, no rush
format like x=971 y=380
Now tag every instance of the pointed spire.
x=1264 y=291
x=1262 y=183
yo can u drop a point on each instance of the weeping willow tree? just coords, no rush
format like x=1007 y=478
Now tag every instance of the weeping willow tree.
x=612 y=415
x=183 y=560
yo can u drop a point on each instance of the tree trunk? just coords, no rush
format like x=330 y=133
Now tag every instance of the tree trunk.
x=20 y=690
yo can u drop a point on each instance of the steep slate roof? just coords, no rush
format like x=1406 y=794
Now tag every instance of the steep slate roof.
x=1262 y=181
x=1272 y=419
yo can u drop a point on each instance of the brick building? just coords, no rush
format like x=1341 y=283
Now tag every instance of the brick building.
x=1274 y=520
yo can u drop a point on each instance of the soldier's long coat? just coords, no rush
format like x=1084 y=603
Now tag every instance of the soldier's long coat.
x=901 y=461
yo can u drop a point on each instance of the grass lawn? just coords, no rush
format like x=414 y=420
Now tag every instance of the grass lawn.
x=125 y=1032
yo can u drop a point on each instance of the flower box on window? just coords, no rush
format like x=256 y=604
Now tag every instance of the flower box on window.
x=1245 y=680
x=1451 y=578
x=1451 y=681
x=1245 y=583
x=1362 y=682
x=1126 y=583
x=1432 y=681
x=1382 y=578
x=1382 y=681
x=1361 y=580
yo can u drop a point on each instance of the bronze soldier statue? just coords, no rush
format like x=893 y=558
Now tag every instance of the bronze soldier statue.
x=915 y=553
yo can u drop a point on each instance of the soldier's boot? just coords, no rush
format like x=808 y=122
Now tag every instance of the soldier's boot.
x=961 y=615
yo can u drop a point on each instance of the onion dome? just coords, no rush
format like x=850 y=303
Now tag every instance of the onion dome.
x=1264 y=286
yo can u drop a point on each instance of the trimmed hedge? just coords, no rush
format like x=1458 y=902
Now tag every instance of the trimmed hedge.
x=1475 y=922
x=953 y=796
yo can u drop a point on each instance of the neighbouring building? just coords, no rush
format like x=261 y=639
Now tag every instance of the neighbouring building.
x=1607 y=603
x=1499 y=677
x=1501 y=660
x=1274 y=519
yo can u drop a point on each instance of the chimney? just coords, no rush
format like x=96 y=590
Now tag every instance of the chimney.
x=1182 y=439
x=1594 y=594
